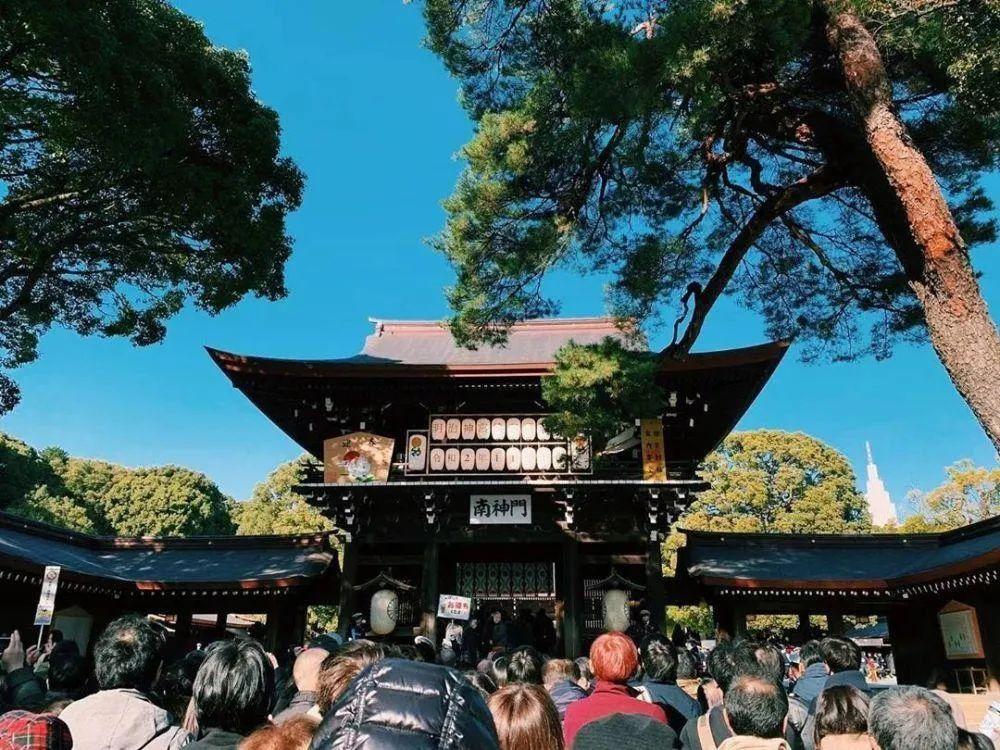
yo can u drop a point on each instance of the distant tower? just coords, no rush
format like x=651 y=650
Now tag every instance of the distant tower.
x=880 y=505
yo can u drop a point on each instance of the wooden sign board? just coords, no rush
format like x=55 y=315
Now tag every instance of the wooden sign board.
x=357 y=458
x=654 y=462
x=960 y=631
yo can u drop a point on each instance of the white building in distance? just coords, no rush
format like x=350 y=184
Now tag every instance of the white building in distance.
x=880 y=504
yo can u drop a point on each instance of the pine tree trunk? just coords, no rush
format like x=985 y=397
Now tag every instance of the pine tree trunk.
x=913 y=214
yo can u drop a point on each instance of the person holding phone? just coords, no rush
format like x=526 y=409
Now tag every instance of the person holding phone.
x=23 y=688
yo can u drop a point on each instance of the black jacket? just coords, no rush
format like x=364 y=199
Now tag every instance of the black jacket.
x=406 y=705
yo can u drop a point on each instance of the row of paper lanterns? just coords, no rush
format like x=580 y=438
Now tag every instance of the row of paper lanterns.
x=513 y=429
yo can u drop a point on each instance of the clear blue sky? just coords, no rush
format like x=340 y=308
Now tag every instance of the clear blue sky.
x=372 y=118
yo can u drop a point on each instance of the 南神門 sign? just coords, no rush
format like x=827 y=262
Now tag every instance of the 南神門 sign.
x=499 y=509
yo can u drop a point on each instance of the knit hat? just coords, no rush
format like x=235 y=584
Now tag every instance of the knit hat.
x=642 y=733
x=23 y=730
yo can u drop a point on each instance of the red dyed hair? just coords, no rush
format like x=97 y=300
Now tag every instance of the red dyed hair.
x=614 y=658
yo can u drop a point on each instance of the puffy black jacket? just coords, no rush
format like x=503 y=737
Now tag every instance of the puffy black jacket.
x=406 y=705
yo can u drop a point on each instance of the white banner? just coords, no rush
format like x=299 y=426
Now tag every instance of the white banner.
x=47 y=600
x=454 y=607
x=499 y=509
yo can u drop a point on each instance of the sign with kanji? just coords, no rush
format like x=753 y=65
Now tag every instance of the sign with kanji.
x=47 y=600
x=654 y=465
x=454 y=607
x=499 y=509
x=357 y=458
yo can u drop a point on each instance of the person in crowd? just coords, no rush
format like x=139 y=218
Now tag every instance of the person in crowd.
x=620 y=731
x=938 y=684
x=499 y=631
x=472 y=642
x=482 y=682
x=771 y=662
x=23 y=730
x=641 y=627
x=358 y=629
x=525 y=666
x=614 y=660
x=21 y=687
x=973 y=741
x=841 y=720
x=755 y=709
x=544 y=632
x=233 y=693
x=659 y=681
x=813 y=673
x=425 y=649
x=338 y=669
x=561 y=678
x=842 y=657
x=120 y=716
x=907 y=717
x=175 y=687
x=294 y=734
x=66 y=677
x=305 y=673
x=396 y=704
x=525 y=718
x=451 y=644
x=498 y=671
x=586 y=673
x=687 y=673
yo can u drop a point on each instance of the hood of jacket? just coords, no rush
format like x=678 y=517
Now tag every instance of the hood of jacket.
x=811 y=683
x=122 y=718
x=406 y=705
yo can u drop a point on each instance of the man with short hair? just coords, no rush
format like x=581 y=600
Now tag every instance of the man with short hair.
x=561 y=679
x=659 y=681
x=524 y=666
x=843 y=658
x=121 y=716
x=813 y=672
x=909 y=717
x=305 y=674
x=755 y=708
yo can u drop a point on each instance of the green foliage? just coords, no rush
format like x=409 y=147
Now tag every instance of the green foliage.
x=694 y=617
x=138 y=171
x=970 y=493
x=274 y=508
x=597 y=388
x=641 y=139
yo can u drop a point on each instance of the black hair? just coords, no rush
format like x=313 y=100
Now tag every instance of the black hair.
x=67 y=672
x=973 y=741
x=525 y=666
x=586 y=672
x=56 y=635
x=756 y=707
x=686 y=667
x=498 y=671
x=771 y=662
x=234 y=687
x=128 y=654
x=659 y=658
x=907 y=716
x=425 y=651
x=482 y=682
x=840 y=710
x=810 y=654
x=731 y=659
x=840 y=654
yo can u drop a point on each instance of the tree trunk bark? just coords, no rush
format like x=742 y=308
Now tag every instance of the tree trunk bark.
x=918 y=224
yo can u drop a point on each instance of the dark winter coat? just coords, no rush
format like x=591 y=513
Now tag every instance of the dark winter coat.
x=405 y=705
x=810 y=684
x=721 y=732
x=217 y=739
x=24 y=690
x=678 y=705
x=563 y=693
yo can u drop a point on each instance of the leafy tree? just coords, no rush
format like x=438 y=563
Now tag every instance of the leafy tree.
x=137 y=171
x=970 y=493
x=22 y=470
x=818 y=159
x=274 y=507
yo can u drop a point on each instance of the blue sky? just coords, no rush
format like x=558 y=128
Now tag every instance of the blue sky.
x=372 y=118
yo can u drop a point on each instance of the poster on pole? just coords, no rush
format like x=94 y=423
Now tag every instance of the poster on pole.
x=454 y=607
x=47 y=599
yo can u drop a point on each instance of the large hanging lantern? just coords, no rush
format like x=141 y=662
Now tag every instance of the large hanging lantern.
x=384 y=611
x=616 y=610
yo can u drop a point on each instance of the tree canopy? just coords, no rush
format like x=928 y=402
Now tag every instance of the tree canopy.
x=969 y=494
x=274 y=508
x=138 y=171
x=820 y=160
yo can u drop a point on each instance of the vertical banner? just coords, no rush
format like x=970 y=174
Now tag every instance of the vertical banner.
x=654 y=466
x=47 y=599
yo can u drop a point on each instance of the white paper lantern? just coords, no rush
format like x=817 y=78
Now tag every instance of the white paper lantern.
x=384 y=611
x=616 y=611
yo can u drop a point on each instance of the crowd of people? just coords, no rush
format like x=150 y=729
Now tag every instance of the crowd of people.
x=368 y=695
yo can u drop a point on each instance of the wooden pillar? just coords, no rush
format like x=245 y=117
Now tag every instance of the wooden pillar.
x=805 y=632
x=572 y=593
x=349 y=569
x=182 y=627
x=835 y=622
x=219 y=632
x=655 y=590
x=725 y=619
x=429 y=590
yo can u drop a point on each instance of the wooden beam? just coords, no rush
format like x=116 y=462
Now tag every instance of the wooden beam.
x=348 y=574
x=429 y=589
x=572 y=594
x=655 y=591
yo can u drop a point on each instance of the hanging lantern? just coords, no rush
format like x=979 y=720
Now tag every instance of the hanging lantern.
x=616 y=610
x=384 y=611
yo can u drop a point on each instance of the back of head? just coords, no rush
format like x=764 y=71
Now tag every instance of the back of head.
x=397 y=703
x=525 y=666
x=632 y=731
x=23 y=729
x=756 y=707
x=557 y=670
x=525 y=718
x=732 y=659
x=305 y=671
x=586 y=671
x=840 y=710
x=973 y=741
x=906 y=717
x=294 y=734
x=840 y=654
x=613 y=658
x=67 y=672
x=659 y=658
x=498 y=671
x=770 y=662
x=810 y=654
x=686 y=667
x=482 y=682
x=127 y=655
x=337 y=670
x=234 y=687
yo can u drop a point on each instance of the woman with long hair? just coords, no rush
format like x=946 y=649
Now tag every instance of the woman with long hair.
x=525 y=718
